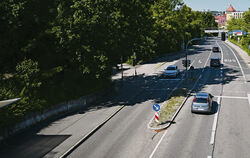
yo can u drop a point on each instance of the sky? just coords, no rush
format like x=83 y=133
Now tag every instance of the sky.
x=217 y=5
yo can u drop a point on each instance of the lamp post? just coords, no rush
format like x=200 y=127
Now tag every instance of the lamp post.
x=134 y=62
x=7 y=102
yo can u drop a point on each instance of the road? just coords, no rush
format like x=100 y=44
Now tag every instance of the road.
x=222 y=134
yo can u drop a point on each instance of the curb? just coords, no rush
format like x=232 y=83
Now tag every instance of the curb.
x=232 y=45
x=176 y=113
x=83 y=139
x=69 y=151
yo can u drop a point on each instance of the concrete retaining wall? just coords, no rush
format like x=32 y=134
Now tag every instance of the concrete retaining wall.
x=52 y=112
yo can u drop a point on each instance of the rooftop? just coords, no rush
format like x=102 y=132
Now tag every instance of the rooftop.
x=230 y=9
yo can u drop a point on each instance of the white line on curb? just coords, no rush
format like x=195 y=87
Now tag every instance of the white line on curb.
x=215 y=122
x=72 y=148
x=238 y=62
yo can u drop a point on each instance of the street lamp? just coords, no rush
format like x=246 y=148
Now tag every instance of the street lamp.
x=4 y=103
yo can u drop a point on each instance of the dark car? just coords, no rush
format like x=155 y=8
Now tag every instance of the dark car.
x=215 y=62
x=202 y=103
x=215 y=49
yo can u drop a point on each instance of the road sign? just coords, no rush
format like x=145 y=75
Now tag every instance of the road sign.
x=157 y=117
x=156 y=107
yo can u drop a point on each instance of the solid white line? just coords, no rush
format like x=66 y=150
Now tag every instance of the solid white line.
x=215 y=123
x=207 y=60
x=158 y=144
x=248 y=95
x=177 y=79
x=232 y=97
x=209 y=156
x=238 y=63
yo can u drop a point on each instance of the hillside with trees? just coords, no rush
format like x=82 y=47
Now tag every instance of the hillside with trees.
x=54 y=51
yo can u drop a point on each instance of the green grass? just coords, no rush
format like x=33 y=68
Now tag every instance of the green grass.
x=170 y=106
x=245 y=48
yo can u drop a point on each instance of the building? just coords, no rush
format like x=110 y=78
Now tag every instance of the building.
x=237 y=15
x=232 y=13
x=221 y=20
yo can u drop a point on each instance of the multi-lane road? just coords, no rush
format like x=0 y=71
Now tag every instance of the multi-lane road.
x=223 y=134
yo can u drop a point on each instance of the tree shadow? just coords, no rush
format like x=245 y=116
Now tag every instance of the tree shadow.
x=134 y=90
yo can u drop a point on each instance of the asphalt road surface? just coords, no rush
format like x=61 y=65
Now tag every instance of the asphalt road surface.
x=223 y=134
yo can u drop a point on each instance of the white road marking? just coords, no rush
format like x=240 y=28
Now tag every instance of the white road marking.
x=160 y=89
x=156 y=147
x=232 y=97
x=200 y=61
x=248 y=95
x=158 y=144
x=209 y=156
x=207 y=60
x=238 y=62
x=215 y=122
x=174 y=79
x=221 y=52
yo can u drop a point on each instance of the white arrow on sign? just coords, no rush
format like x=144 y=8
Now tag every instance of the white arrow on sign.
x=157 y=108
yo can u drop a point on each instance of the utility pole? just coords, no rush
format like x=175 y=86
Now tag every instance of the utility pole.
x=134 y=62
x=187 y=63
x=122 y=67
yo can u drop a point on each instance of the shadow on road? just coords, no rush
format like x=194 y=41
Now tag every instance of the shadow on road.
x=129 y=91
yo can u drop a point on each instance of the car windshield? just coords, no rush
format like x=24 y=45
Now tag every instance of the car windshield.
x=171 y=68
x=215 y=60
x=200 y=100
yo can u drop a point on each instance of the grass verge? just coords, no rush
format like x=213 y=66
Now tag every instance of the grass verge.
x=169 y=107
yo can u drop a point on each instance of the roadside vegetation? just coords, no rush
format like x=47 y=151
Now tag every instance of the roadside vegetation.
x=244 y=25
x=169 y=107
x=55 y=51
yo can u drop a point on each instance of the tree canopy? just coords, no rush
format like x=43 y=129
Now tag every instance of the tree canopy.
x=53 y=51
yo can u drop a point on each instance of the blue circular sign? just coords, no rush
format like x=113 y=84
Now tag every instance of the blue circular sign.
x=156 y=107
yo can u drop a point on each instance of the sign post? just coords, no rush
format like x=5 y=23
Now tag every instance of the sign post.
x=156 y=108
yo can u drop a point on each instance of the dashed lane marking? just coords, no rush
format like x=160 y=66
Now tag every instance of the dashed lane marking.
x=215 y=122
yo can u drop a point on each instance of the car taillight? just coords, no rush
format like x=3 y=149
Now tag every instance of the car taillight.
x=194 y=100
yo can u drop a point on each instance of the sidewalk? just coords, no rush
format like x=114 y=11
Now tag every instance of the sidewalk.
x=241 y=52
x=57 y=138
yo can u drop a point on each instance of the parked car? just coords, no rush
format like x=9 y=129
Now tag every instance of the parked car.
x=171 y=71
x=202 y=103
x=215 y=62
x=215 y=49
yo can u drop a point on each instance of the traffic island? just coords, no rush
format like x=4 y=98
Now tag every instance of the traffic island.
x=169 y=109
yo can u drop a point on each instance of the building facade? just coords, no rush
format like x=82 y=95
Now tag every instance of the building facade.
x=232 y=13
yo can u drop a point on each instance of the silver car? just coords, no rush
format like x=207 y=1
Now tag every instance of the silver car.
x=202 y=103
x=171 y=71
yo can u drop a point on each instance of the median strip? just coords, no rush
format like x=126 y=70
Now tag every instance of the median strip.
x=169 y=109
